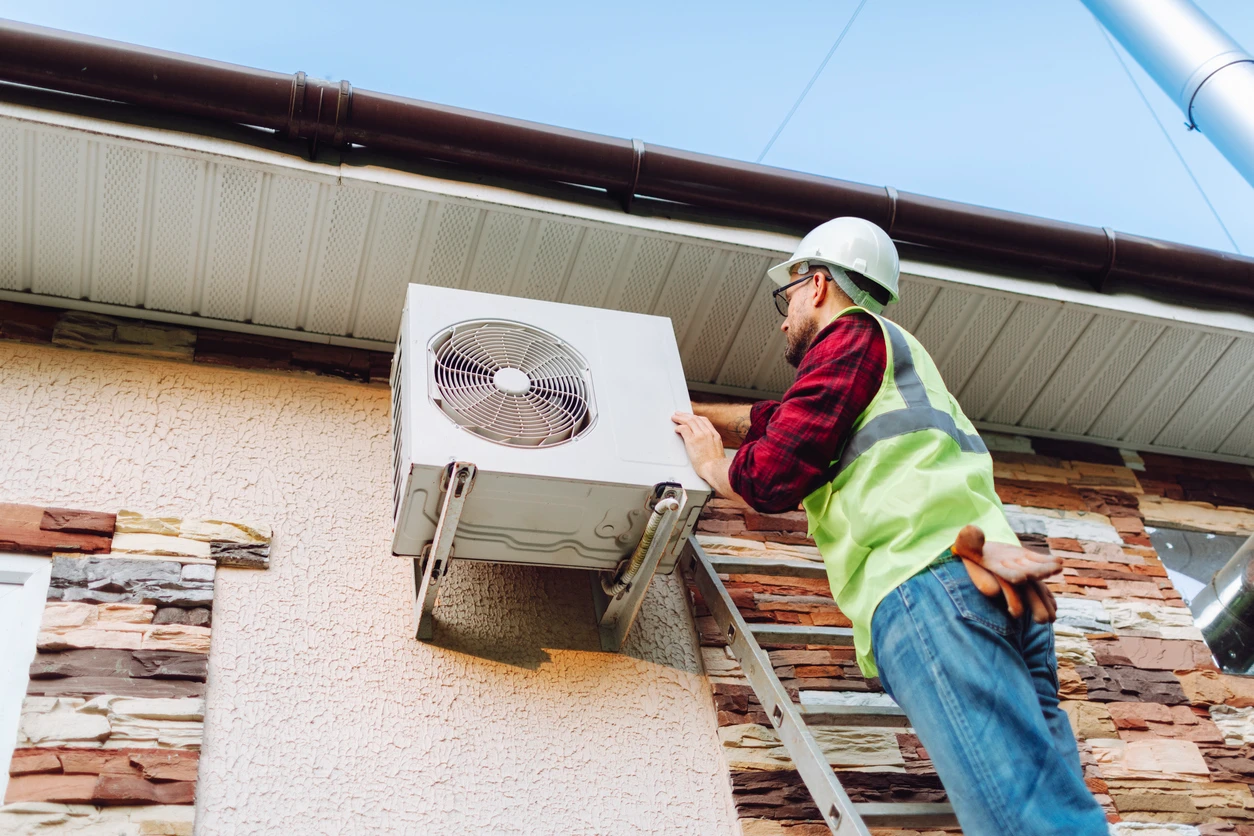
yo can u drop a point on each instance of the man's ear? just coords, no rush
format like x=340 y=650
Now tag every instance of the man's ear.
x=820 y=288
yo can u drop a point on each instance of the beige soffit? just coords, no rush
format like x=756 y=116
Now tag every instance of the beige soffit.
x=190 y=229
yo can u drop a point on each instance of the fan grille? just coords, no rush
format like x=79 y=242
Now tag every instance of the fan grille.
x=511 y=383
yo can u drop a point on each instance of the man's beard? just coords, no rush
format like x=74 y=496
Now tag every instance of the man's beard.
x=799 y=339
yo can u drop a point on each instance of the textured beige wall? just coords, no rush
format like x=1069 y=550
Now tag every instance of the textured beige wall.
x=324 y=716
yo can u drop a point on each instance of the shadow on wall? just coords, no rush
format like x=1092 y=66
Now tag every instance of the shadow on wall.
x=515 y=615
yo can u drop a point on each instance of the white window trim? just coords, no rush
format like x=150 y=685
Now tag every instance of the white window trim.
x=21 y=610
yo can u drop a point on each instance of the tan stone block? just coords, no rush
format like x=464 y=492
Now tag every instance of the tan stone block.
x=129 y=522
x=1074 y=649
x=1070 y=685
x=1241 y=690
x=788 y=550
x=769 y=827
x=177 y=637
x=1237 y=724
x=1204 y=687
x=1088 y=719
x=128 y=613
x=159 y=544
x=1133 y=589
x=87 y=637
x=52 y=721
x=219 y=531
x=1156 y=619
x=718 y=661
x=732 y=546
x=751 y=746
x=1196 y=516
x=58 y=616
x=1149 y=759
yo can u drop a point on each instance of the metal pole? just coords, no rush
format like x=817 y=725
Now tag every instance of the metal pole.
x=1205 y=72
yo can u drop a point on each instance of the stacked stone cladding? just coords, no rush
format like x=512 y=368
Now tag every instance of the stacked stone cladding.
x=1166 y=740
x=111 y=726
x=123 y=335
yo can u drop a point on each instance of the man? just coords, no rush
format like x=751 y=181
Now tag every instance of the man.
x=890 y=472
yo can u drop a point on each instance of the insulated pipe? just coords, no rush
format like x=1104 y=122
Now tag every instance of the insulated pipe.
x=1204 y=71
x=336 y=114
x=665 y=507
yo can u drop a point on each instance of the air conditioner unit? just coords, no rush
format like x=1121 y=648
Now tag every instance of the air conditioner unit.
x=539 y=433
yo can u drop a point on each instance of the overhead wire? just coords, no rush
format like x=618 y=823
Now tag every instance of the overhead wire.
x=813 y=79
x=1179 y=156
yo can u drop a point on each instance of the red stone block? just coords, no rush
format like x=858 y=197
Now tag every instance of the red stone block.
x=166 y=764
x=830 y=618
x=20 y=532
x=60 y=789
x=818 y=671
x=1040 y=495
x=27 y=323
x=31 y=761
x=1065 y=544
x=717 y=513
x=1166 y=489
x=723 y=527
x=1138 y=540
x=1128 y=525
x=97 y=762
x=794 y=521
x=123 y=789
x=78 y=522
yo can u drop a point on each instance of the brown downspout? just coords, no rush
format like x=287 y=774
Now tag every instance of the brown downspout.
x=327 y=113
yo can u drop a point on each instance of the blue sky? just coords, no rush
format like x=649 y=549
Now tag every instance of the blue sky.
x=1019 y=106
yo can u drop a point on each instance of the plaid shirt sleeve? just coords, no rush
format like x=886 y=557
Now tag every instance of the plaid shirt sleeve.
x=791 y=443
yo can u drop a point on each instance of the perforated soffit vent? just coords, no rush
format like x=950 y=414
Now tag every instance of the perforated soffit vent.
x=511 y=383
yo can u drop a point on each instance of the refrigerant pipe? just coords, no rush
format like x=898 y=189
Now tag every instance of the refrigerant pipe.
x=669 y=505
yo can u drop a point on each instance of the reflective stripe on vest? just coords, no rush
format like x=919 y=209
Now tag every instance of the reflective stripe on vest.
x=919 y=414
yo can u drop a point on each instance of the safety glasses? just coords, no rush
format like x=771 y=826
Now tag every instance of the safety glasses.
x=779 y=294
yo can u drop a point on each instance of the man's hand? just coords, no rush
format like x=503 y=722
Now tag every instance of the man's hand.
x=702 y=441
x=705 y=451
x=1010 y=570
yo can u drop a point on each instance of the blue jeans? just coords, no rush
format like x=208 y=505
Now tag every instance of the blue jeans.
x=981 y=690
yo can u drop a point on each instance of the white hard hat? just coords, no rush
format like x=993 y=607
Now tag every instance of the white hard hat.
x=853 y=244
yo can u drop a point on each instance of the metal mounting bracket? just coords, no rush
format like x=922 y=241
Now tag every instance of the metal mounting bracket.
x=616 y=615
x=431 y=567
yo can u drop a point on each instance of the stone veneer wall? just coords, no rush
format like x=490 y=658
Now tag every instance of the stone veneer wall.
x=1167 y=741
x=112 y=723
x=141 y=338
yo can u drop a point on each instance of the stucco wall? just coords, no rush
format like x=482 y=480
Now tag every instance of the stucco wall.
x=324 y=716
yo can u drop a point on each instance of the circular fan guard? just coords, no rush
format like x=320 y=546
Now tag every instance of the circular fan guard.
x=511 y=383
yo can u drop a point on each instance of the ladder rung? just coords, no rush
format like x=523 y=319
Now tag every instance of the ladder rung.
x=784 y=567
x=855 y=715
x=889 y=814
x=802 y=634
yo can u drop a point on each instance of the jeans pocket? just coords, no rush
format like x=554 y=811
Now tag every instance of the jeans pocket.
x=972 y=604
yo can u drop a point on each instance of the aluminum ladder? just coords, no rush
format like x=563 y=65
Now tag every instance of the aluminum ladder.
x=792 y=722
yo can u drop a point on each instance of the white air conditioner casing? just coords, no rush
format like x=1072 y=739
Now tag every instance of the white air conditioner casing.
x=580 y=503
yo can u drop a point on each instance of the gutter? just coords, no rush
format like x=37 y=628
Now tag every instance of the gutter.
x=323 y=113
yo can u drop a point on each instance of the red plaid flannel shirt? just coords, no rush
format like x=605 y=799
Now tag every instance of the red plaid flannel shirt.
x=792 y=443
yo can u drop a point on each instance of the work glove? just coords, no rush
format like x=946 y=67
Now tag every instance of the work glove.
x=1011 y=571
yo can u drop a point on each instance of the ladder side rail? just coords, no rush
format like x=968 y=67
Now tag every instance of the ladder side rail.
x=834 y=805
